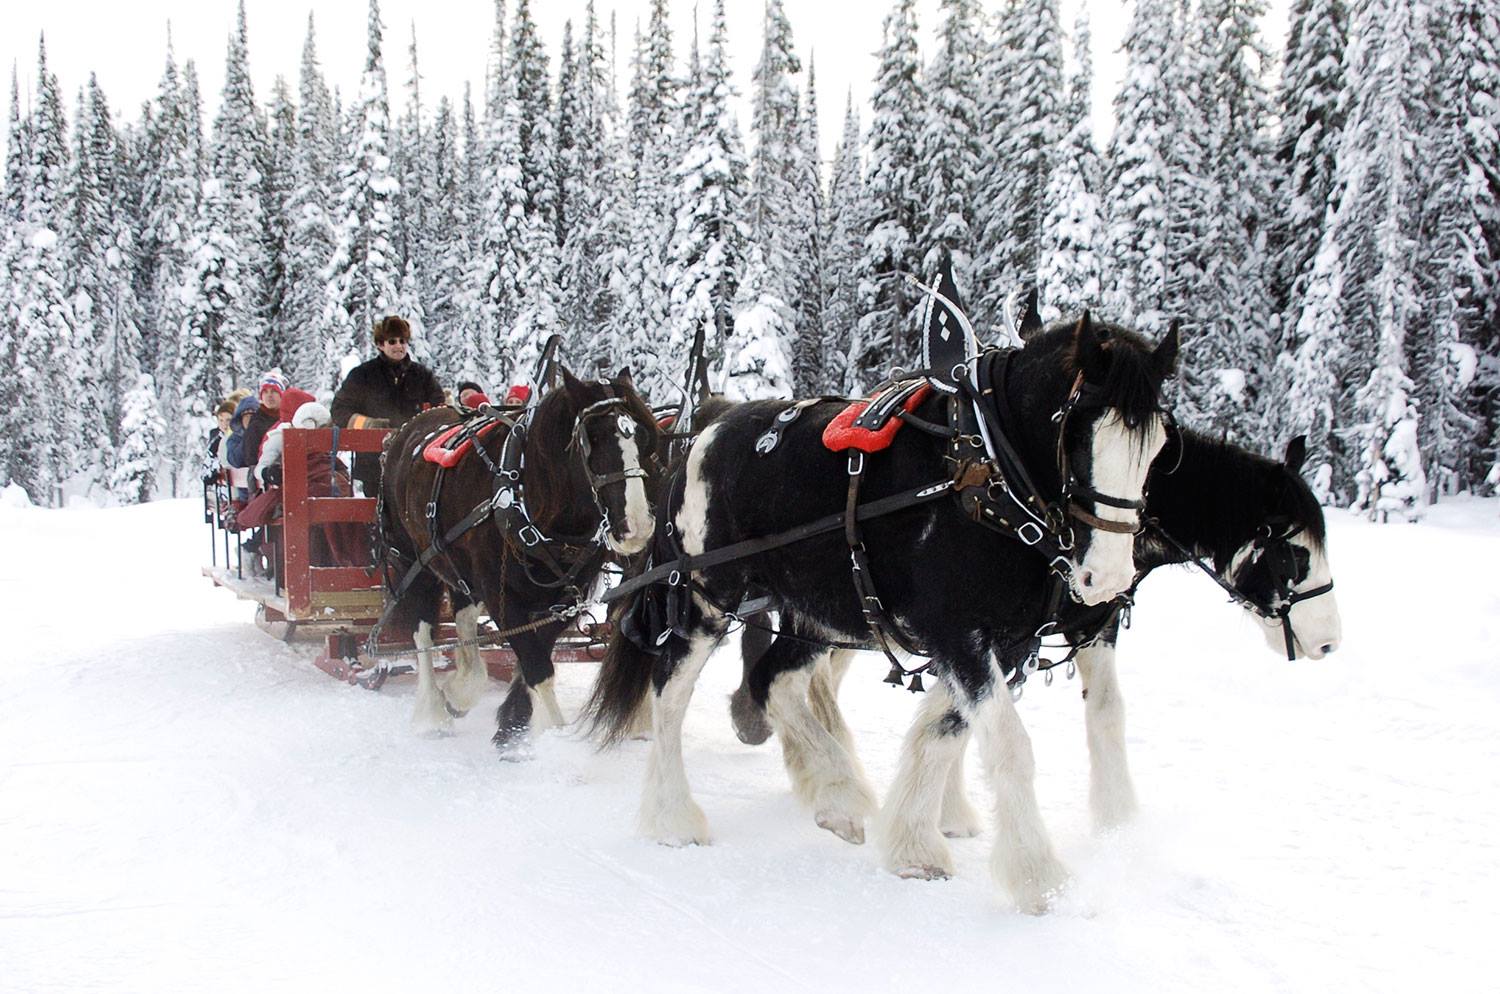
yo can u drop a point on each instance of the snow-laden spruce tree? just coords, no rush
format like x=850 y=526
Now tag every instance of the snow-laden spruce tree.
x=1023 y=126
x=843 y=250
x=1312 y=119
x=501 y=259
x=12 y=211
x=707 y=252
x=1136 y=205
x=45 y=357
x=132 y=477
x=1229 y=347
x=172 y=180
x=758 y=360
x=949 y=144
x=304 y=306
x=410 y=167
x=1374 y=231
x=364 y=274
x=450 y=351
x=239 y=140
x=809 y=241
x=1068 y=270
x=887 y=332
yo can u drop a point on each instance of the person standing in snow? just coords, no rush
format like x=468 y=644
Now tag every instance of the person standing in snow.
x=385 y=392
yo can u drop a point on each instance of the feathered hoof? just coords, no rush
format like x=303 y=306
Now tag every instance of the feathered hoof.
x=686 y=826
x=961 y=827
x=750 y=721
x=432 y=720
x=1037 y=894
x=846 y=827
x=512 y=745
x=923 y=871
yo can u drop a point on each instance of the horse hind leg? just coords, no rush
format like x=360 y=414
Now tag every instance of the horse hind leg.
x=908 y=829
x=748 y=715
x=958 y=819
x=823 y=769
x=470 y=678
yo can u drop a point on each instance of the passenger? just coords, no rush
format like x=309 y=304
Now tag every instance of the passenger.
x=292 y=402
x=385 y=392
x=234 y=449
x=272 y=385
x=517 y=396
x=215 y=453
x=471 y=394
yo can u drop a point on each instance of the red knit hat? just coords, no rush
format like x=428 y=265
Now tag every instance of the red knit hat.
x=518 y=395
x=291 y=400
x=274 y=379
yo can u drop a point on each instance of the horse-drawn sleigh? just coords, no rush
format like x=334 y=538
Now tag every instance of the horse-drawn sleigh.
x=990 y=502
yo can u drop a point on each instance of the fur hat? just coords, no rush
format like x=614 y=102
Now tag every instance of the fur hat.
x=274 y=379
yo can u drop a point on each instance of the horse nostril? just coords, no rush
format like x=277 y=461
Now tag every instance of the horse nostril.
x=1086 y=578
x=1328 y=647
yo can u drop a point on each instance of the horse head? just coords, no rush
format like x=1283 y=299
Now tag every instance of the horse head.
x=612 y=441
x=1283 y=572
x=1091 y=397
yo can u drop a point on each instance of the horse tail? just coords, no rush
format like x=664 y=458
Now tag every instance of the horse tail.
x=622 y=685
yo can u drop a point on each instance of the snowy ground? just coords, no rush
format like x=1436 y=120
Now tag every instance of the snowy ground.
x=188 y=805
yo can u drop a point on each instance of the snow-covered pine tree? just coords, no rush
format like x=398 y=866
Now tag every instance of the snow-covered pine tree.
x=235 y=161
x=169 y=205
x=652 y=116
x=1230 y=350
x=887 y=332
x=1453 y=270
x=449 y=352
x=1024 y=126
x=278 y=187
x=708 y=247
x=1136 y=206
x=844 y=250
x=1068 y=271
x=133 y=473
x=501 y=255
x=758 y=360
x=949 y=146
x=1308 y=102
x=1374 y=232
x=45 y=357
x=413 y=203
x=310 y=244
x=809 y=239
x=365 y=280
x=1476 y=46
x=12 y=211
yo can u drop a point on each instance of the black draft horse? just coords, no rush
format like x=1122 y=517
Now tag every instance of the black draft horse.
x=971 y=596
x=584 y=460
x=1259 y=524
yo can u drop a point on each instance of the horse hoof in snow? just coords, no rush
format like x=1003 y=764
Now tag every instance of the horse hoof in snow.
x=845 y=827
x=925 y=871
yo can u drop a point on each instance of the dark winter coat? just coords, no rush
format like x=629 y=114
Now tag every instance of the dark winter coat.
x=392 y=391
x=261 y=422
x=236 y=444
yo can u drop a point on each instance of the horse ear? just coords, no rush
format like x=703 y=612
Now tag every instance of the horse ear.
x=1164 y=357
x=574 y=387
x=1086 y=344
x=624 y=376
x=1031 y=316
x=1296 y=453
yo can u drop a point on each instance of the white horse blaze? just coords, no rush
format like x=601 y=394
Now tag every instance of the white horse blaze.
x=1316 y=624
x=636 y=530
x=1120 y=465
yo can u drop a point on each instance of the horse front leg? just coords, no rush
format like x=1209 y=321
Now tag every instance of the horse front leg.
x=1111 y=792
x=823 y=770
x=668 y=812
x=530 y=707
x=911 y=844
x=470 y=678
x=432 y=714
x=748 y=715
x=1023 y=860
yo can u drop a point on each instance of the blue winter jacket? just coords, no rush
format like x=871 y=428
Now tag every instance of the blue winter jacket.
x=236 y=441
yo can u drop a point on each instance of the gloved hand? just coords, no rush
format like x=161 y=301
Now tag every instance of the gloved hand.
x=272 y=476
x=360 y=421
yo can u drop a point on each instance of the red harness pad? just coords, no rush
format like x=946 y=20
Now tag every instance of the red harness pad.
x=438 y=452
x=841 y=433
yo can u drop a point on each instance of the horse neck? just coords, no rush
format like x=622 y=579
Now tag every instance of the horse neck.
x=1215 y=500
x=573 y=510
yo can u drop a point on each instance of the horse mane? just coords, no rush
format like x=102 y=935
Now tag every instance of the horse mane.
x=1240 y=486
x=549 y=448
x=1132 y=385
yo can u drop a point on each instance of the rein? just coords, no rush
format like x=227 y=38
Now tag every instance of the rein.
x=1281 y=613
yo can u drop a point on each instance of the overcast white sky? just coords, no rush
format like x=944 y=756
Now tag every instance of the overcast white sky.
x=125 y=43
